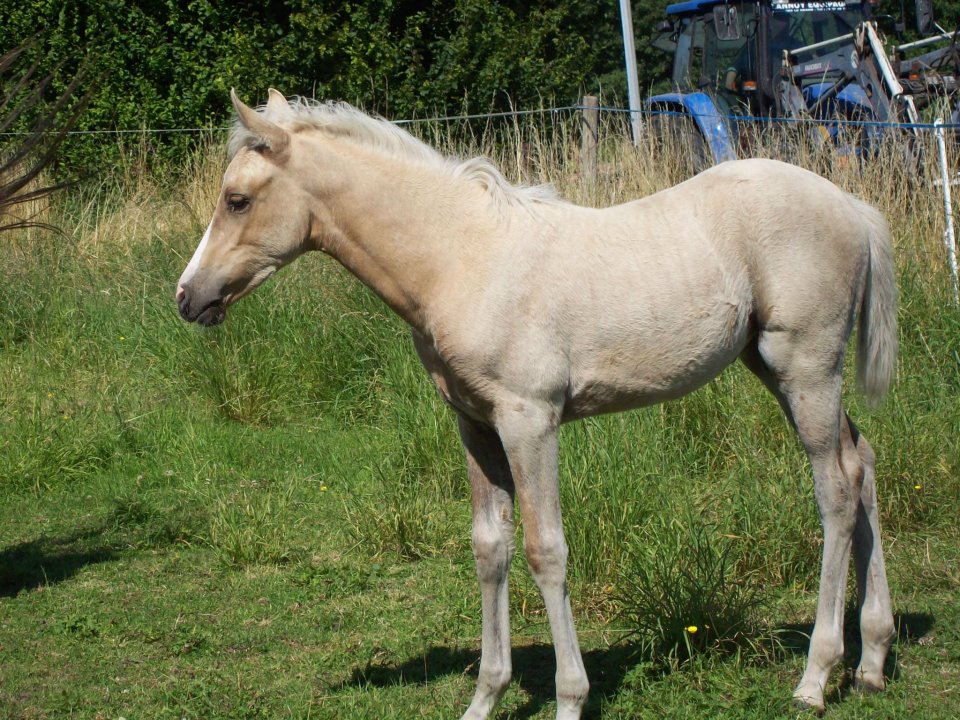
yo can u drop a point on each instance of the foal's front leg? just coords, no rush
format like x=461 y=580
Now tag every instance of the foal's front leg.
x=529 y=435
x=493 y=543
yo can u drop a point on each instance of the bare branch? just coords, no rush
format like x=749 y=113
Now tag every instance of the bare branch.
x=24 y=156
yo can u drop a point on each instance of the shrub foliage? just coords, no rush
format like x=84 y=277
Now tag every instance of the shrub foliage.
x=169 y=65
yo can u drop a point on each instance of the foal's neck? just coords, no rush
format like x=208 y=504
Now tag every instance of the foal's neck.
x=405 y=229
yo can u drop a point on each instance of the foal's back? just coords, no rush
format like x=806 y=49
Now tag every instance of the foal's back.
x=666 y=291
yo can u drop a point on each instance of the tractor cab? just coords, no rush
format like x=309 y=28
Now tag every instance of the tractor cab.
x=822 y=61
x=818 y=59
x=735 y=50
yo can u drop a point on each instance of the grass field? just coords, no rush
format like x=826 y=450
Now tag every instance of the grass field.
x=270 y=519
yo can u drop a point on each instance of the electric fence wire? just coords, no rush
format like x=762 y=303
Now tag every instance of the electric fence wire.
x=646 y=112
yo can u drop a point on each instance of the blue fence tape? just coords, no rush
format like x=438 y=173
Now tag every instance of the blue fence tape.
x=785 y=120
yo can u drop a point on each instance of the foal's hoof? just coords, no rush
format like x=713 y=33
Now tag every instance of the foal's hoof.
x=809 y=704
x=868 y=685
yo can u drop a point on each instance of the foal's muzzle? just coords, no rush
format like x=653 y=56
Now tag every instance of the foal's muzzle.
x=194 y=307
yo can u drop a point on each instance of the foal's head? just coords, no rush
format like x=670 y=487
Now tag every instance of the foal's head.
x=261 y=222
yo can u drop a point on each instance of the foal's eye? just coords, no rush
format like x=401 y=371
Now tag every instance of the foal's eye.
x=238 y=203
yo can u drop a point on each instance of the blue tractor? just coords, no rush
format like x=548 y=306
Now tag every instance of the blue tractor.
x=821 y=61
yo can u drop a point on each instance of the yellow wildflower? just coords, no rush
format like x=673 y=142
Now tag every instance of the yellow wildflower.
x=692 y=629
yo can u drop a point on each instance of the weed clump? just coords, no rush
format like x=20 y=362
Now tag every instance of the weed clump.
x=679 y=590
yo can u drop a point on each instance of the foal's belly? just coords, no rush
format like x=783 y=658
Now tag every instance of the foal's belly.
x=655 y=364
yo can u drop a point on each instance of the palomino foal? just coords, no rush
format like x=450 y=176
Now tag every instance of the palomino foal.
x=528 y=312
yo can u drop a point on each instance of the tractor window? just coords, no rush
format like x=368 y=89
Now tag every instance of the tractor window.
x=738 y=55
x=703 y=61
x=720 y=59
x=796 y=25
x=689 y=54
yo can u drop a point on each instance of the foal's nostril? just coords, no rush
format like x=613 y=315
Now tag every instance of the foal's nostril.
x=183 y=304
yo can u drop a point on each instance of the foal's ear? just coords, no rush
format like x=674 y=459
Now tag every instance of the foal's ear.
x=276 y=100
x=270 y=135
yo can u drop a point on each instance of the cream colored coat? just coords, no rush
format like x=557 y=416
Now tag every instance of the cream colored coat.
x=528 y=311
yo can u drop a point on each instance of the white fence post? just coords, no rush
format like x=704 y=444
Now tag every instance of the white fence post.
x=949 y=238
x=630 y=57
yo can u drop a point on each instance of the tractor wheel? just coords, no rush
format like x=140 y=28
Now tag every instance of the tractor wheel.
x=678 y=137
x=911 y=153
x=823 y=149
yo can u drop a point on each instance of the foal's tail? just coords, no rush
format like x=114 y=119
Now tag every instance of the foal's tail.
x=877 y=335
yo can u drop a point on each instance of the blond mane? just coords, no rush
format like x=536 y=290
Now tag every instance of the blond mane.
x=343 y=120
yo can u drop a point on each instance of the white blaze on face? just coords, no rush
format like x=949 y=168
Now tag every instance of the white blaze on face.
x=194 y=263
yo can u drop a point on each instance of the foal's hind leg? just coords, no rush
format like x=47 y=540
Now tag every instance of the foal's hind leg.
x=808 y=385
x=877 y=629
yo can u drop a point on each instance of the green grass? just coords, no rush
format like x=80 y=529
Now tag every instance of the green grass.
x=271 y=518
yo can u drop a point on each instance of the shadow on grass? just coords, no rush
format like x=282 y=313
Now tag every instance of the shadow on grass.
x=794 y=640
x=534 y=665
x=533 y=671
x=46 y=560
x=131 y=523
